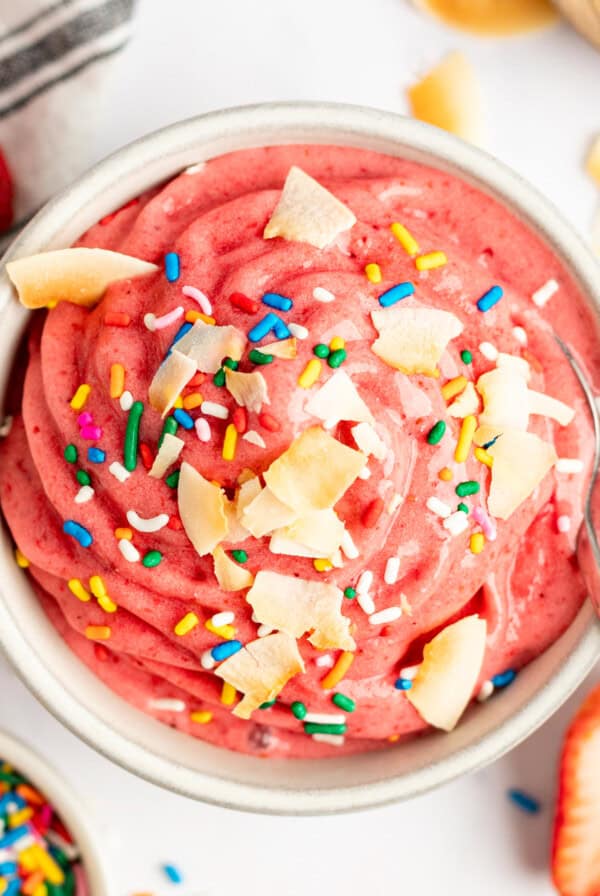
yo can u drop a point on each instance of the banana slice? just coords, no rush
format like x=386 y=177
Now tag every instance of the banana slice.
x=493 y=17
x=449 y=97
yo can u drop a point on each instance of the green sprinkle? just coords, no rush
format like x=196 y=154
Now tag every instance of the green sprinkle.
x=132 y=434
x=463 y=507
x=13 y=778
x=83 y=478
x=466 y=356
x=173 y=480
x=169 y=428
x=350 y=593
x=71 y=454
x=240 y=556
x=229 y=362
x=321 y=350
x=298 y=709
x=257 y=357
x=152 y=558
x=470 y=487
x=436 y=433
x=267 y=704
x=326 y=728
x=219 y=377
x=343 y=702
x=337 y=357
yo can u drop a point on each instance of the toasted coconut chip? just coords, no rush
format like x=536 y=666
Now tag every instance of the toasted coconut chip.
x=172 y=376
x=446 y=679
x=505 y=402
x=260 y=670
x=492 y=17
x=338 y=399
x=168 y=453
x=202 y=510
x=320 y=533
x=248 y=389
x=265 y=513
x=521 y=461
x=236 y=532
x=450 y=98
x=593 y=161
x=279 y=544
x=314 y=472
x=285 y=350
x=80 y=276
x=546 y=406
x=297 y=606
x=307 y=212
x=207 y=345
x=229 y=575
x=368 y=441
x=249 y=489
x=414 y=339
x=466 y=404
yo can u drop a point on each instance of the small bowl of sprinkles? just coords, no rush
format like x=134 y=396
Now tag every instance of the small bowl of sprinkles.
x=46 y=845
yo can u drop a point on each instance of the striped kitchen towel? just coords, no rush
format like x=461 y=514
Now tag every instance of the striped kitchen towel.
x=55 y=66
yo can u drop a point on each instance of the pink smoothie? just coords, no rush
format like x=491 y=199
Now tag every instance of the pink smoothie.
x=525 y=583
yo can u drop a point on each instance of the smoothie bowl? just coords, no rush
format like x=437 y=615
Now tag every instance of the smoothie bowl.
x=295 y=477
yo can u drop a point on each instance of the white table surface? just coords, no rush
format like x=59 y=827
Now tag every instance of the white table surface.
x=190 y=56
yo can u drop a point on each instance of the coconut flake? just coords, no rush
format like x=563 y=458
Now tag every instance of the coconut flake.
x=368 y=441
x=248 y=389
x=265 y=513
x=546 y=406
x=449 y=97
x=285 y=349
x=466 y=404
x=202 y=510
x=228 y=574
x=318 y=534
x=207 y=345
x=414 y=339
x=168 y=453
x=338 y=399
x=172 y=376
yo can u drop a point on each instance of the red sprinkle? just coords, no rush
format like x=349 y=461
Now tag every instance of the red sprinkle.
x=108 y=218
x=371 y=513
x=240 y=419
x=239 y=300
x=146 y=454
x=117 y=319
x=175 y=523
x=269 y=422
x=196 y=380
x=101 y=652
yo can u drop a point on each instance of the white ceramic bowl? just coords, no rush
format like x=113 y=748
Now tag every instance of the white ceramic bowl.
x=153 y=750
x=74 y=814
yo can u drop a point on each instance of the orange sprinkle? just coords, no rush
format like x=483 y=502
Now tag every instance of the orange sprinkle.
x=30 y=885
x=117 y=380
x=123 y=532
x=202 y=717
x=192 y=316
x=454 y=387
x=335 y=675
x=98 y=632
x=393 y=738
x=30 y=794
x=445 y=474
x=194 y=400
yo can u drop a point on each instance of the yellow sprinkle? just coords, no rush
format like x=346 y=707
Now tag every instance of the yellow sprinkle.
x=405 y=238
x=454 y=387
x=3 y=885
x=124 y=532
x=192 y=316
x=52 y=303
x=75 y=587
x=117 y=380
x=202 y=717
x=373 y=272
x=227 y=632
x=335 y=675
x=336 y=343
x=185 y=625
x=477 y=542
x=484 y=457
x=27 y=859
x=40 y=890
x=98 y=632
x=322 y=564
x=228 y=694
x=193 y=401
x=230 y=442
x=178 y=403
x=97 y=586
x=465 y=439
x=16 y=819
x=53 y=873
x=445 y=474
x=108 y=605
x=430 y=261
x=310 y=374
x=80 y=397
x=21 y=559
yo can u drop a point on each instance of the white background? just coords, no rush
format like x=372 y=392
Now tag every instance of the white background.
x=189 y=56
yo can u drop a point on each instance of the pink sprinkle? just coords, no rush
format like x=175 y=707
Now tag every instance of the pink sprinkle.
x=91 y=433
x=192 y=293
x=85 y=419
x=488 y=526
x=563 y=523
x=167 y=319
x=202 y=429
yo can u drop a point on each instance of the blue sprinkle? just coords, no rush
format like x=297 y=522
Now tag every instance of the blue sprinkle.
x=183 y=418
x=490 y=298
x=395 y=294
x=172 y=266
x=14 y=887
x=225 y=650
x=524 y=801
x=281 y=330
x=264 y=326
x=491 y=442
x=503 y=679
x=275 y=300
x=96 y=455
x=79 y=533
x=403 y=684
x=8 y=867
x=173 y=873
x=13 y=837
x=183 y=329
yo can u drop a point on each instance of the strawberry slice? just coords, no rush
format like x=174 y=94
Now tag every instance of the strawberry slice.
x=576 y=846
x=6 y=195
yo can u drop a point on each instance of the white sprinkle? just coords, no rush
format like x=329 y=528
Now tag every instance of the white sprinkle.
x=118 y=471
x=323 y=295
x=254 y=438
x=198 y=296
x=348 y=547
x=489 y=351
x=392 y=568
x=6 y=426
x=390 y=614
x=206 y=660
x=563 y=523
x=69 y=849
x=409 y=672
x=439 y=507
x=325 y=718
x=405 y=604
x=224 y=618
x=298 y=331
x=395 y=503
x=325 y=661
x=195 y=169
x=264 y=630
x=365 y=473
x=543 y=295
x=167 y=705
x=331 y=423
x=485 y=692
x=150 y=322
x=126 y=400
x=520 y=335
x=569 y=465
x=152 y=524
x=456 y=522
x=213 y=409
x=85 y=494
x=129 y=551
x=365 y=581
x=202 y=429
x=336 y=740
x=366 y=603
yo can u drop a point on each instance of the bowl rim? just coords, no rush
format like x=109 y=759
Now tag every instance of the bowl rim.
x=150 y=159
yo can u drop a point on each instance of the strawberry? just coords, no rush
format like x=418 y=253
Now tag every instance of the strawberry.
x=6 y=195
x=576 y=846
